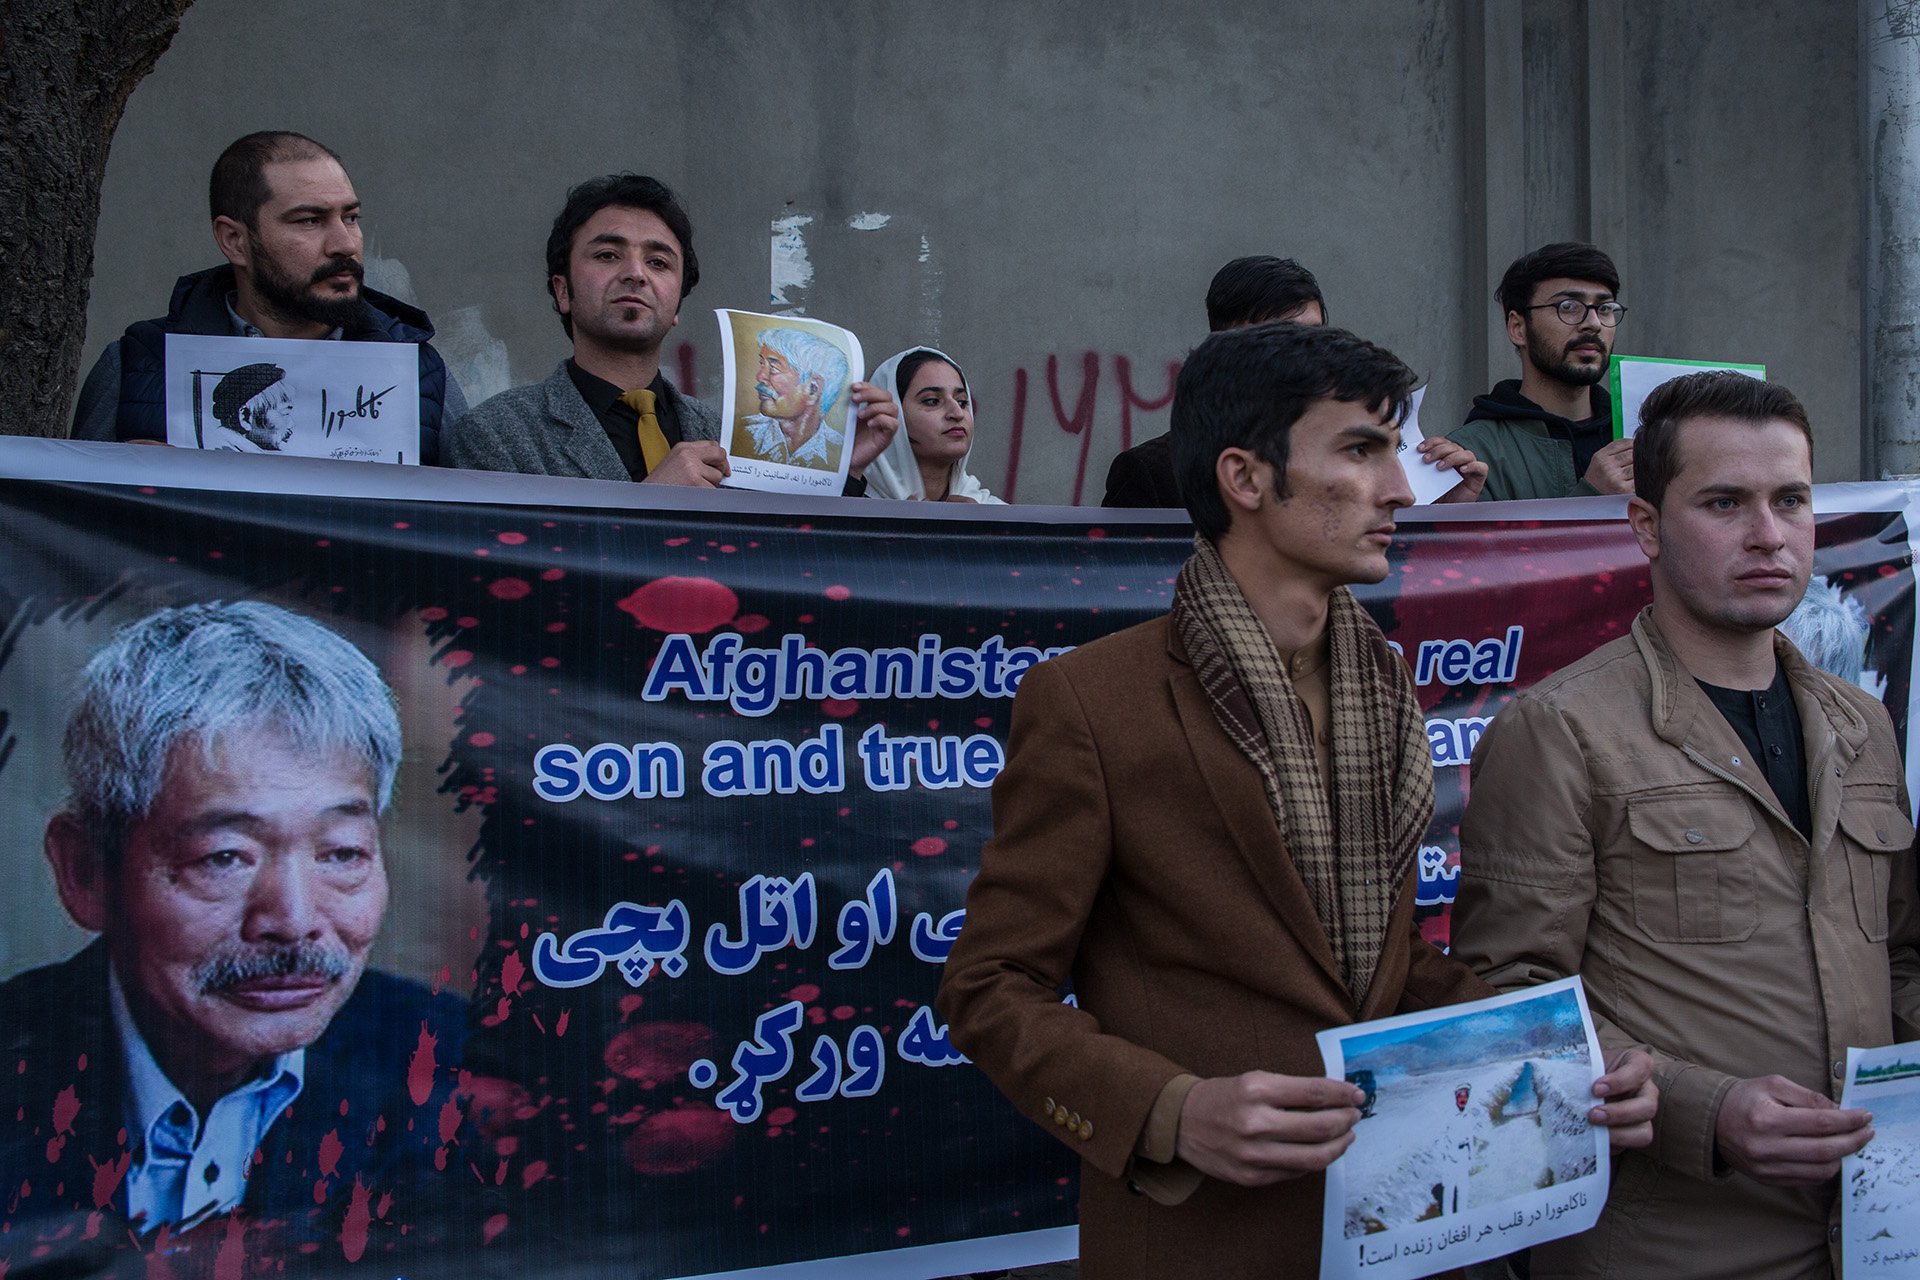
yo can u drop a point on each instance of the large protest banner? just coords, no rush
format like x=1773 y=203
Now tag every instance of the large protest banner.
x=692 y=788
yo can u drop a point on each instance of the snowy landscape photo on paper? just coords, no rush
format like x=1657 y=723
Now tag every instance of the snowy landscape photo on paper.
x=1473 y=1139
x=1880 y=1211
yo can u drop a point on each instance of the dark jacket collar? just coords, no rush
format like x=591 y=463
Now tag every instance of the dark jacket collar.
x=199 y=305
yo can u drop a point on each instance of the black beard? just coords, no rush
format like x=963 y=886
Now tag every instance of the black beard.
x=297 y=301
x=1557 y=366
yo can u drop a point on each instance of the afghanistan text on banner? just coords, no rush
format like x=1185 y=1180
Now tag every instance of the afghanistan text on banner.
x=689 y=798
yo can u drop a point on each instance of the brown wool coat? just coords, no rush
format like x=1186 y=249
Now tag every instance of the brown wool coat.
x=1134 y=854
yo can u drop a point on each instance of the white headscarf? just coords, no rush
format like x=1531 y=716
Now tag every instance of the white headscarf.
x=895 y=473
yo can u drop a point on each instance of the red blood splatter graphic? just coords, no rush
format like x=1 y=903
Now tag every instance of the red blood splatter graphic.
x=750 y=623
x=837 y=592
x=1096 y=534
x=421 y=1067
x=432 y=613
x=513 y=539
x=560 y=1023
x=679 y=1141
x=552 y=575
x=353 y=1230
x=106 y=1178
x=512 y=972
x=93 y=1229
x=65 y=1108
x=629 y=1005
x=386 y=1203
x=494 y=1104
x=677 y=542
x=841 y=1012
x=657 y=1051
x=781 y=1117
x=481 y=739
x=458 y=658
x=691 y=605
x=331 y=1149
x=929 y=846
x=839 y=708
x=532 y=1174
x=510 y=589
x=491 y=1229
x=231 y=1262
x=805 y=993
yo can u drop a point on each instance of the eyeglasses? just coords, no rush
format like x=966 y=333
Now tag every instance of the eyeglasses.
x=1573 y=311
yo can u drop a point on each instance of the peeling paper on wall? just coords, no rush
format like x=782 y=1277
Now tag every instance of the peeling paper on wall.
x=791 y=269
x=869 y=221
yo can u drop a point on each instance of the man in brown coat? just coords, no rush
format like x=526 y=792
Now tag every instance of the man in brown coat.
x=1714 y=834
x=1207 y=824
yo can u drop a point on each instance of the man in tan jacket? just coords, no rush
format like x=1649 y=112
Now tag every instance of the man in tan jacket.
x=1714 y=834
x=1165 y=838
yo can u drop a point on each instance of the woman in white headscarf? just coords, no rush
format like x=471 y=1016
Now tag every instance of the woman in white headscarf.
x=927 y=457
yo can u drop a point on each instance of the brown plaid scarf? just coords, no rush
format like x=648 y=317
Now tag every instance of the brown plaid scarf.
x=1355 y=850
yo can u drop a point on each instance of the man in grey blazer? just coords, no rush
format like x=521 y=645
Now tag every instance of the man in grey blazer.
x=620 y=260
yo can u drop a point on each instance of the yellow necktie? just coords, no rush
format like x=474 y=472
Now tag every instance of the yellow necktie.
x=653 y=441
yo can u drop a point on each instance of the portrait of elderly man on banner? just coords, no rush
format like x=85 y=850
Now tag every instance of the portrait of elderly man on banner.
x=788 y=402
x=221 y=1046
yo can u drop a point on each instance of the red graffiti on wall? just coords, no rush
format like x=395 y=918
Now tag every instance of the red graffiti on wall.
x=1081 y=421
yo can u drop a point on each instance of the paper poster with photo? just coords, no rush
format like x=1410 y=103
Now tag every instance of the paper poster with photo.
x=788 y=412
x=1427 y=481
x=349 y=400
x=1880 y=1186
x=1631 y=379
x=1473 y=1141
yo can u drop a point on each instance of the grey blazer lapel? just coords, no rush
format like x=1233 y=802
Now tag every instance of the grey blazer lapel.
x=581 y=441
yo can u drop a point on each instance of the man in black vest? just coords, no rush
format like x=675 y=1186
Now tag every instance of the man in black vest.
x=288 y=222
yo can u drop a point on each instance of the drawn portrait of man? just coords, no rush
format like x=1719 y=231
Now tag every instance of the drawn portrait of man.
x=799 y=379
x=228 y=768
x=254 y=408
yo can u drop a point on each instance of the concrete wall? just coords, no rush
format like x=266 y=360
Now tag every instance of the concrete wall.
x=1058 y=181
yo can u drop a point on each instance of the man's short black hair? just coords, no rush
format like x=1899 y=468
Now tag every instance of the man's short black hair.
x=1245 y=388
x=1566 y=259
x=239 y=184
x=1262 y=287
x=624 y=191
x=1713 y=393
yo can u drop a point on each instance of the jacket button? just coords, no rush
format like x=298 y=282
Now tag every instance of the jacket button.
x=1086 y=1131
x=1839 y=1068
x=1047 y=1106
x=1694 y=836
x=1073 y=1121
x=1060 y=1116
x=1880 y=834
x=1833 y=1234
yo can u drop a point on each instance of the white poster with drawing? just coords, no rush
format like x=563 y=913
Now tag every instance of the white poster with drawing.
x=350 y=400
x=1427 y=481
x=1631 y=379
x=1880 y=1186
x=787 y=416
x=1473 y=1141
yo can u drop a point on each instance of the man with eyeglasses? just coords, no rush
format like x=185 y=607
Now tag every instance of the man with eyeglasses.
x=1549 y=434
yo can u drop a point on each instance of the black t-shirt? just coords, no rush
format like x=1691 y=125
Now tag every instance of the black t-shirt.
x=1769 y=723
x=622 y=422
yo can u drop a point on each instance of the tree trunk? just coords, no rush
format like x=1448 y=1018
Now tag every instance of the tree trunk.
x=66 y=70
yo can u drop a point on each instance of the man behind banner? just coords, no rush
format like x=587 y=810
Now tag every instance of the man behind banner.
x=620 y=263
x=1713 y=833
x=221 y=1044
x=1207 y=824
x=287 y=219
